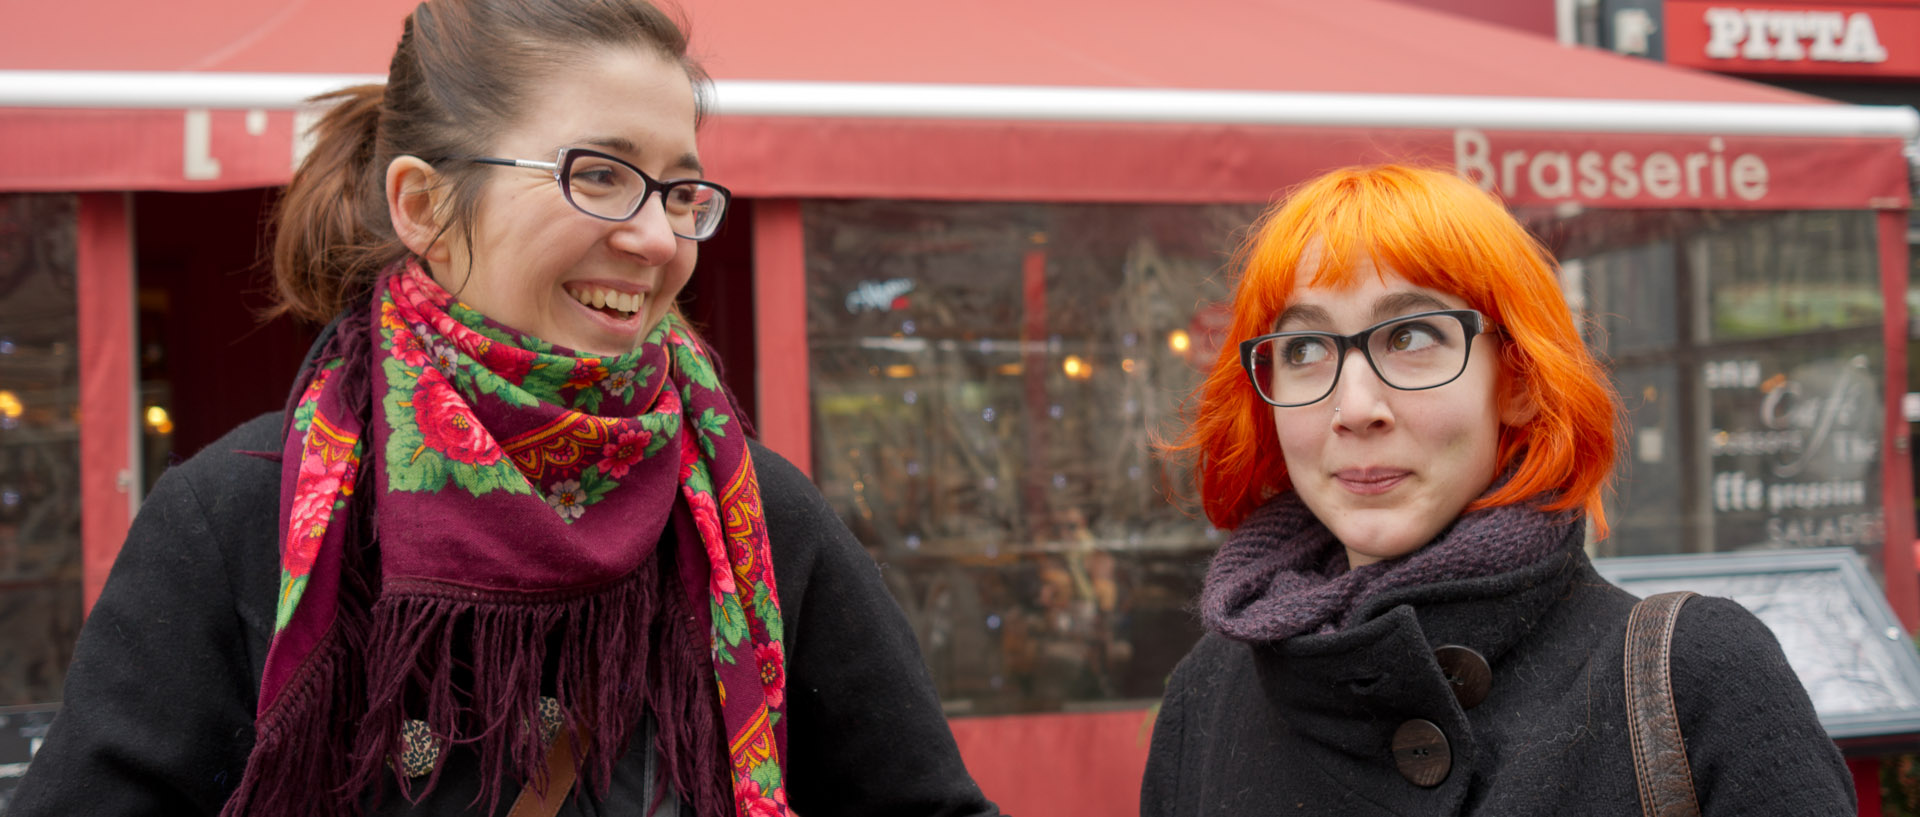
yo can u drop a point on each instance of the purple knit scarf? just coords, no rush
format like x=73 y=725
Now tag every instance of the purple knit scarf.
x=1282 y=573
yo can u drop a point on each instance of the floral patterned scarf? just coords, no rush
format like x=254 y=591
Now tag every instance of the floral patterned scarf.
x=506 y=574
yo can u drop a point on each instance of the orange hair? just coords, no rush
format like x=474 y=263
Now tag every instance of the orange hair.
x=1440 y=232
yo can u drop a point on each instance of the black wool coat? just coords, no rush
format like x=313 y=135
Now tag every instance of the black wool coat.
x=1306 y=725
x=158 y=715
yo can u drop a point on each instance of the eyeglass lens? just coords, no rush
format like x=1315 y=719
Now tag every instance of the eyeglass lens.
x=609 y=189
x=1418 y=352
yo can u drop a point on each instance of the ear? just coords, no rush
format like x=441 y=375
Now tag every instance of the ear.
x=1517 y=406
x=414 y=194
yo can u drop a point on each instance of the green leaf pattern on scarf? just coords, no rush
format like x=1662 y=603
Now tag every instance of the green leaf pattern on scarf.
x=730 y=620
x=698 y=370
x=291 y=589
x=767 y=774
x=769 y=612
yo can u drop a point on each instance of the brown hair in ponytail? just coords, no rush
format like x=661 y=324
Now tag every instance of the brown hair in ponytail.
x=460 y=72
x=332 y=225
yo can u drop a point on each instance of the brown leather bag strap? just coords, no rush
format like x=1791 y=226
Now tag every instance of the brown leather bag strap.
x=1659 y=751
x=560 y=774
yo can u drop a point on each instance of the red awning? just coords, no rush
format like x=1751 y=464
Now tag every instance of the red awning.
x=1227 y=100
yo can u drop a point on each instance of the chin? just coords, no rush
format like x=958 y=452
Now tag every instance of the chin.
x=604 y=350
x=1381 y=546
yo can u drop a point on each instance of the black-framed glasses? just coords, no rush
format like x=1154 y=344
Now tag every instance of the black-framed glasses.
x=1424 y=350
x=608 y=187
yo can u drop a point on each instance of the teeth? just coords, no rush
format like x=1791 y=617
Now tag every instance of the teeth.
x=606 y=298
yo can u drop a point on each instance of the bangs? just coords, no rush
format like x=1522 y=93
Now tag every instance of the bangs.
x=1431 y=236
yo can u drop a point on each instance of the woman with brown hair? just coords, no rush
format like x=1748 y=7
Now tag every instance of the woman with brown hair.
x=1409 y=440
x=511 y=530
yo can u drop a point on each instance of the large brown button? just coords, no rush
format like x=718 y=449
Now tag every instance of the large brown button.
x=1420 y=752
x=1467 y=672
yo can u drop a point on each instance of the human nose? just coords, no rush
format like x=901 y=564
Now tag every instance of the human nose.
x=1359 y=395
x=648 y=235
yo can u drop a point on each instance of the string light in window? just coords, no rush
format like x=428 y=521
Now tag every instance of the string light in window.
x=159 y=420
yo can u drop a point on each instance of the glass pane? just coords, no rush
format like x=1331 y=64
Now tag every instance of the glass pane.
x=1648 y=511
x=988 y=383
x=1792 y=273
x=1747 y=348
x=39 y=447
x=1795 y=443
x=1631 y=298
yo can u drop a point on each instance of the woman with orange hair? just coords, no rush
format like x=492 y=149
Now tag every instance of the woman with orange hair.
x=1409 y=441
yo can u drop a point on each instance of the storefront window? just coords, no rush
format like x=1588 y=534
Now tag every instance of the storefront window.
x=988 y=384
x=1748 y=350
x=39 y=447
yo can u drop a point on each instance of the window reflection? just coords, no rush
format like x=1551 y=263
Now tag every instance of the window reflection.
x=988 y=381
x=1747 y=349
x=39 y=447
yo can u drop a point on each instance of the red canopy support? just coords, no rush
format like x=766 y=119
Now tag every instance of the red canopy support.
x=784 y=417
x=109 y=484
x=1896 y=461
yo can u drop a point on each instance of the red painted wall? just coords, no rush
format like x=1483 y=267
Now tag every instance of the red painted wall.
x=1083 y=764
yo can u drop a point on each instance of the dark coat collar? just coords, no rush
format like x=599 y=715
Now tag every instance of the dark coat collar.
x=1349 y=690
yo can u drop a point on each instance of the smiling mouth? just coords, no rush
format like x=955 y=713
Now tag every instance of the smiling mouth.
x=614 y=304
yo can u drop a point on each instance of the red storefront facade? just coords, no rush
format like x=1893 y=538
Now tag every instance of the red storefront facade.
x=976 y=270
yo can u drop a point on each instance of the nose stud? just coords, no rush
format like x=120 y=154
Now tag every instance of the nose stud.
x=1336 y=416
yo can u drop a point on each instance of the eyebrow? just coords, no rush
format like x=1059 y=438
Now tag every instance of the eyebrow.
x=1401 y=303
x=621 y=144
x=1395 y=304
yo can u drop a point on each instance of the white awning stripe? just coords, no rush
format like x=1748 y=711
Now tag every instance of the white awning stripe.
x=185 y=90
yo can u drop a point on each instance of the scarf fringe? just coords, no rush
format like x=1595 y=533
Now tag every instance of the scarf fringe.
x=427 y=638
x=691 y=745
x=290 y=772
x=320 y=709
x=420 y=643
